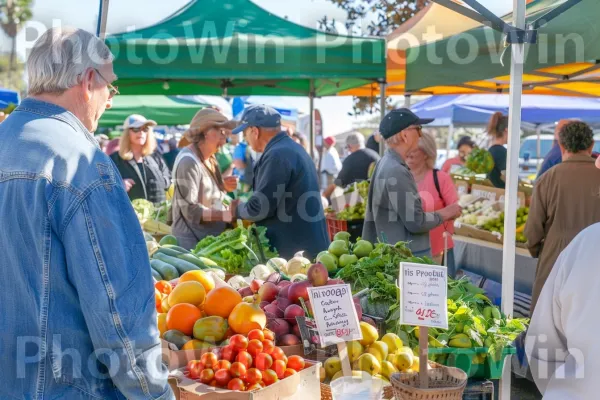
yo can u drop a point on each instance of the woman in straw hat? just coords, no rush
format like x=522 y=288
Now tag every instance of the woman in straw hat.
x=200 y=205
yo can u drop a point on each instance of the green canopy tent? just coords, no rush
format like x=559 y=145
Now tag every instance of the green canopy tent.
x=165 y=110
x=234 y=47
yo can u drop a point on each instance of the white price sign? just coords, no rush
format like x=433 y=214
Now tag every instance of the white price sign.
x=334 y=314
x=424 y=295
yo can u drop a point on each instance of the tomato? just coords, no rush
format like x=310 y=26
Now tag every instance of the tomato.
x=279 y=368
x=239 y=342
x=269 y=335
x=245 y=358
x=253 y=376
x=277 y=353
x=163 y=287
x=269 y=377
x=256 y=334
x=207 y=375
x=254 y=386
x=213 y=383
x=228 y=353
x=263 y=361
x=194 y=368
x=222 y=364
x=296 y=362
x=223 y=376
x=236 y=384
x=289 y=372
x=238 y=370
x=210 y=360
x=268 y=346
x=255 y=346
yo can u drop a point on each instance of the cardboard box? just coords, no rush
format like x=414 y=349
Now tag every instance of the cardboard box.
x=175 y=359
x=474 y=232
x=496 y=194
x=304 y=385
x=462 y=187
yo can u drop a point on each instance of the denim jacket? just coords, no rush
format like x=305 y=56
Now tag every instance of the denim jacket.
x=78 y=311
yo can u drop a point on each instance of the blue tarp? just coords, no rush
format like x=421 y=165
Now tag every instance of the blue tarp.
x=8 y=96
x=476 y=109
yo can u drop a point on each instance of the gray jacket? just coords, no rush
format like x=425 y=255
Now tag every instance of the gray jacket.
x=394 y=207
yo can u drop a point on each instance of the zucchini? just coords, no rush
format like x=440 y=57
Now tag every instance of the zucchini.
x=168 y=251
x=166 y=270
x=208 y=262
x=192 y=259
x=156 y=275
x=182 y=266
x=176 y=248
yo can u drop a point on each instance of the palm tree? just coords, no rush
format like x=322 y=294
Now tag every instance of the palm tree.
x=13 y=15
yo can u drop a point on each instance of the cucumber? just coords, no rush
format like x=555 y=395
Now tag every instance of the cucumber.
x=192 y=259
x=166 y=270
x=168 y=239
x=208 y=262
x=182 y=266
x=176 y=248
x=156 y=275
x=168 y=251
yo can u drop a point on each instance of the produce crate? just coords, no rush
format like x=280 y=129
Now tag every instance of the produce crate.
x=464 y=360
x=353 y=227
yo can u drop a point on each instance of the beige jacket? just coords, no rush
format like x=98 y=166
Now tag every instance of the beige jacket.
x=566 y=200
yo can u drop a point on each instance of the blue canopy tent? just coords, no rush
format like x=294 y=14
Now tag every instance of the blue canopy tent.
x=476 y=109
x=7 y=97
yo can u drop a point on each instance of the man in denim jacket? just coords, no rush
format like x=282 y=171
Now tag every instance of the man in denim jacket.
x=78 y=315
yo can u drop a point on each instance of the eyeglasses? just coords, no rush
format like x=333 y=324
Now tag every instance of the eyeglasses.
x=145 y=128
x=418 y=128
x=112 y=90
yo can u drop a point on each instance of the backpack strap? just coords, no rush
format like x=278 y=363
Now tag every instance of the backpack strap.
x=436 y=182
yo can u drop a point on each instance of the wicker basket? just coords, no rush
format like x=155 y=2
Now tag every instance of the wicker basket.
x=388 y=392
x=445 y=383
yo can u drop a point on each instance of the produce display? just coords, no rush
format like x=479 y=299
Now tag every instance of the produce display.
x=150 y=217
x=494 y=222
x=470 y=212
x=356 y=211
x=236 y=250
x=248 y=362
x=480 y=161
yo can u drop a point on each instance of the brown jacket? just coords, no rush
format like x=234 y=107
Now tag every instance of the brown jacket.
x=566 y=200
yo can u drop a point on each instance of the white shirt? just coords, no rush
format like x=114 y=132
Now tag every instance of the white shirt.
x=563 y=344
x=331 y=163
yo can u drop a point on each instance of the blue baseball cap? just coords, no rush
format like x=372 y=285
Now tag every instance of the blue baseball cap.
x=260 y=116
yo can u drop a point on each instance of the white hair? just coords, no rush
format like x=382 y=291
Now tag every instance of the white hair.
x=393 y=140
x=60 y=56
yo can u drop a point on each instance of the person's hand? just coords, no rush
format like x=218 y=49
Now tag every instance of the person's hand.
x=451 y=212
x=128 y=184
x=229 y=215
x=231 y=183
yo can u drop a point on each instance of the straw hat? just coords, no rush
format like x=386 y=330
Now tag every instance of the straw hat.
x=203 y=120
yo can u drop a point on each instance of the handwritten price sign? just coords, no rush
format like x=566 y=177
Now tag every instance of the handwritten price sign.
x=335 y=314
x=423 y=295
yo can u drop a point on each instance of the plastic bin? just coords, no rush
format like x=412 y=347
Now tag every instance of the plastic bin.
x=353 y=227
x=464 y=359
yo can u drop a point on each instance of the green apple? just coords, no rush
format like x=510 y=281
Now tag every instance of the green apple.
x=345 y=236
x=329 y=261
x=338 y=247
x=362 y=248
x=347 y=259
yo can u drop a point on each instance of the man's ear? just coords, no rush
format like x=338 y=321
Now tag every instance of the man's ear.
x=87 y=84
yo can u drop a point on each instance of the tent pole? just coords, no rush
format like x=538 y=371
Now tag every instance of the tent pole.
x=102 y=17
x=407 y=100
x=512 y=178
x=382 y=106
x=311 y=124
x=449 y=140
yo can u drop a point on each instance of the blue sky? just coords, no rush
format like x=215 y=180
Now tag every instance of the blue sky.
x=140 y=13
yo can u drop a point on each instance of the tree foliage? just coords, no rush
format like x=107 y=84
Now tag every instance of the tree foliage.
x=384 y=16
x=13 y=80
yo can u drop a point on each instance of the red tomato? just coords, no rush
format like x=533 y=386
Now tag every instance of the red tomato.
x=223 y=376
x=228 y=353
x=279 y=368
x=254 y=386
x=269 y=335
x=284 y=359
x=269 y=377
x=213 y=383
x=210 y=360
x=238 y=370
x=194 y=368
x=253 y=376
x=255 y=346
x=263 y=361
x=296 y=363
x=245 y=358
x=277 y=353
x=239 y=342
x=268 y=346
x=222 y=364
x=256 y=334
x=207 y=375
x=236 y=384
x=289 y=372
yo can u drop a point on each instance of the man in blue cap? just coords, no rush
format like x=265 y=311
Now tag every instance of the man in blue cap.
x=286 y=198
x=394 y=210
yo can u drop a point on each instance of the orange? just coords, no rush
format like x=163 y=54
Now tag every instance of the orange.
x=201 y=277
x=195 y=344
x=183 y=317
x=221 y=301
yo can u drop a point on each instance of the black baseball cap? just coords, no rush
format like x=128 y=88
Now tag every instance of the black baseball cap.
x=398 y=120
x=260 y=116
